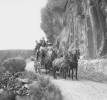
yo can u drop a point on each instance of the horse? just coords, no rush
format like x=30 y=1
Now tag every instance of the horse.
x=47 y=55
x=50 y=56
x=47 y=65
x=73 y=63
x=59 y=64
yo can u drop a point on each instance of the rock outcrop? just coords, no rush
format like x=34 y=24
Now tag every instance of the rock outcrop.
x=77 y=24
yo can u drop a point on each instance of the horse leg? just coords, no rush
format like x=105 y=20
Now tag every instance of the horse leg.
x=72 y=73
x=65 y=72
x=69 y=72
x=60 y=72
x=54 y=72
x=48 y=71
x=76 y=71
x=39 y=70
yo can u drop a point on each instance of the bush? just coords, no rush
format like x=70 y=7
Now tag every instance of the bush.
x=24 y=98
x=14 y=64
x=7 y=95
x=2 y=70
x=30 y=75
x=41 y=88
x=44 y=89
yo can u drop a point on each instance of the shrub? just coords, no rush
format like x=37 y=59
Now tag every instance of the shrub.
x=24 y=98
x=44 y=89
x=14 y=64
x=2 y=69
x=30 y=75
x=7 y=95
x=41 y=88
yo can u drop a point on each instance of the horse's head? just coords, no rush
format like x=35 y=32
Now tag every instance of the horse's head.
x=78 y=54
x=67 y=57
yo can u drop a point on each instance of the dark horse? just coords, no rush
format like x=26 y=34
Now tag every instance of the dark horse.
x=73 y=63
x=48 y=62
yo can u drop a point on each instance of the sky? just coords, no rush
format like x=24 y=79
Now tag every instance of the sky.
x=20 y=23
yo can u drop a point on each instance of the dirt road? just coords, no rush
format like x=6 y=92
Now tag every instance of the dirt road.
x=78 y=90
x=30 y=66
x=82 y=90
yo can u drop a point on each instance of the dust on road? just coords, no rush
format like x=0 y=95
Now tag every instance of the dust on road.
x=82 y=90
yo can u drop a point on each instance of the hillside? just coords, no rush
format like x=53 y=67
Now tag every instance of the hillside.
x=4 y=54
x=81 y=24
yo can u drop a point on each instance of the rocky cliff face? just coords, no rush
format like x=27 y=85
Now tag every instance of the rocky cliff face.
x=77 y=24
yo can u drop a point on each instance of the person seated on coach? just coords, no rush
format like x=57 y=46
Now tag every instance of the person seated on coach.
x=43 y=42
x=54 y=55
x=43 y=55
